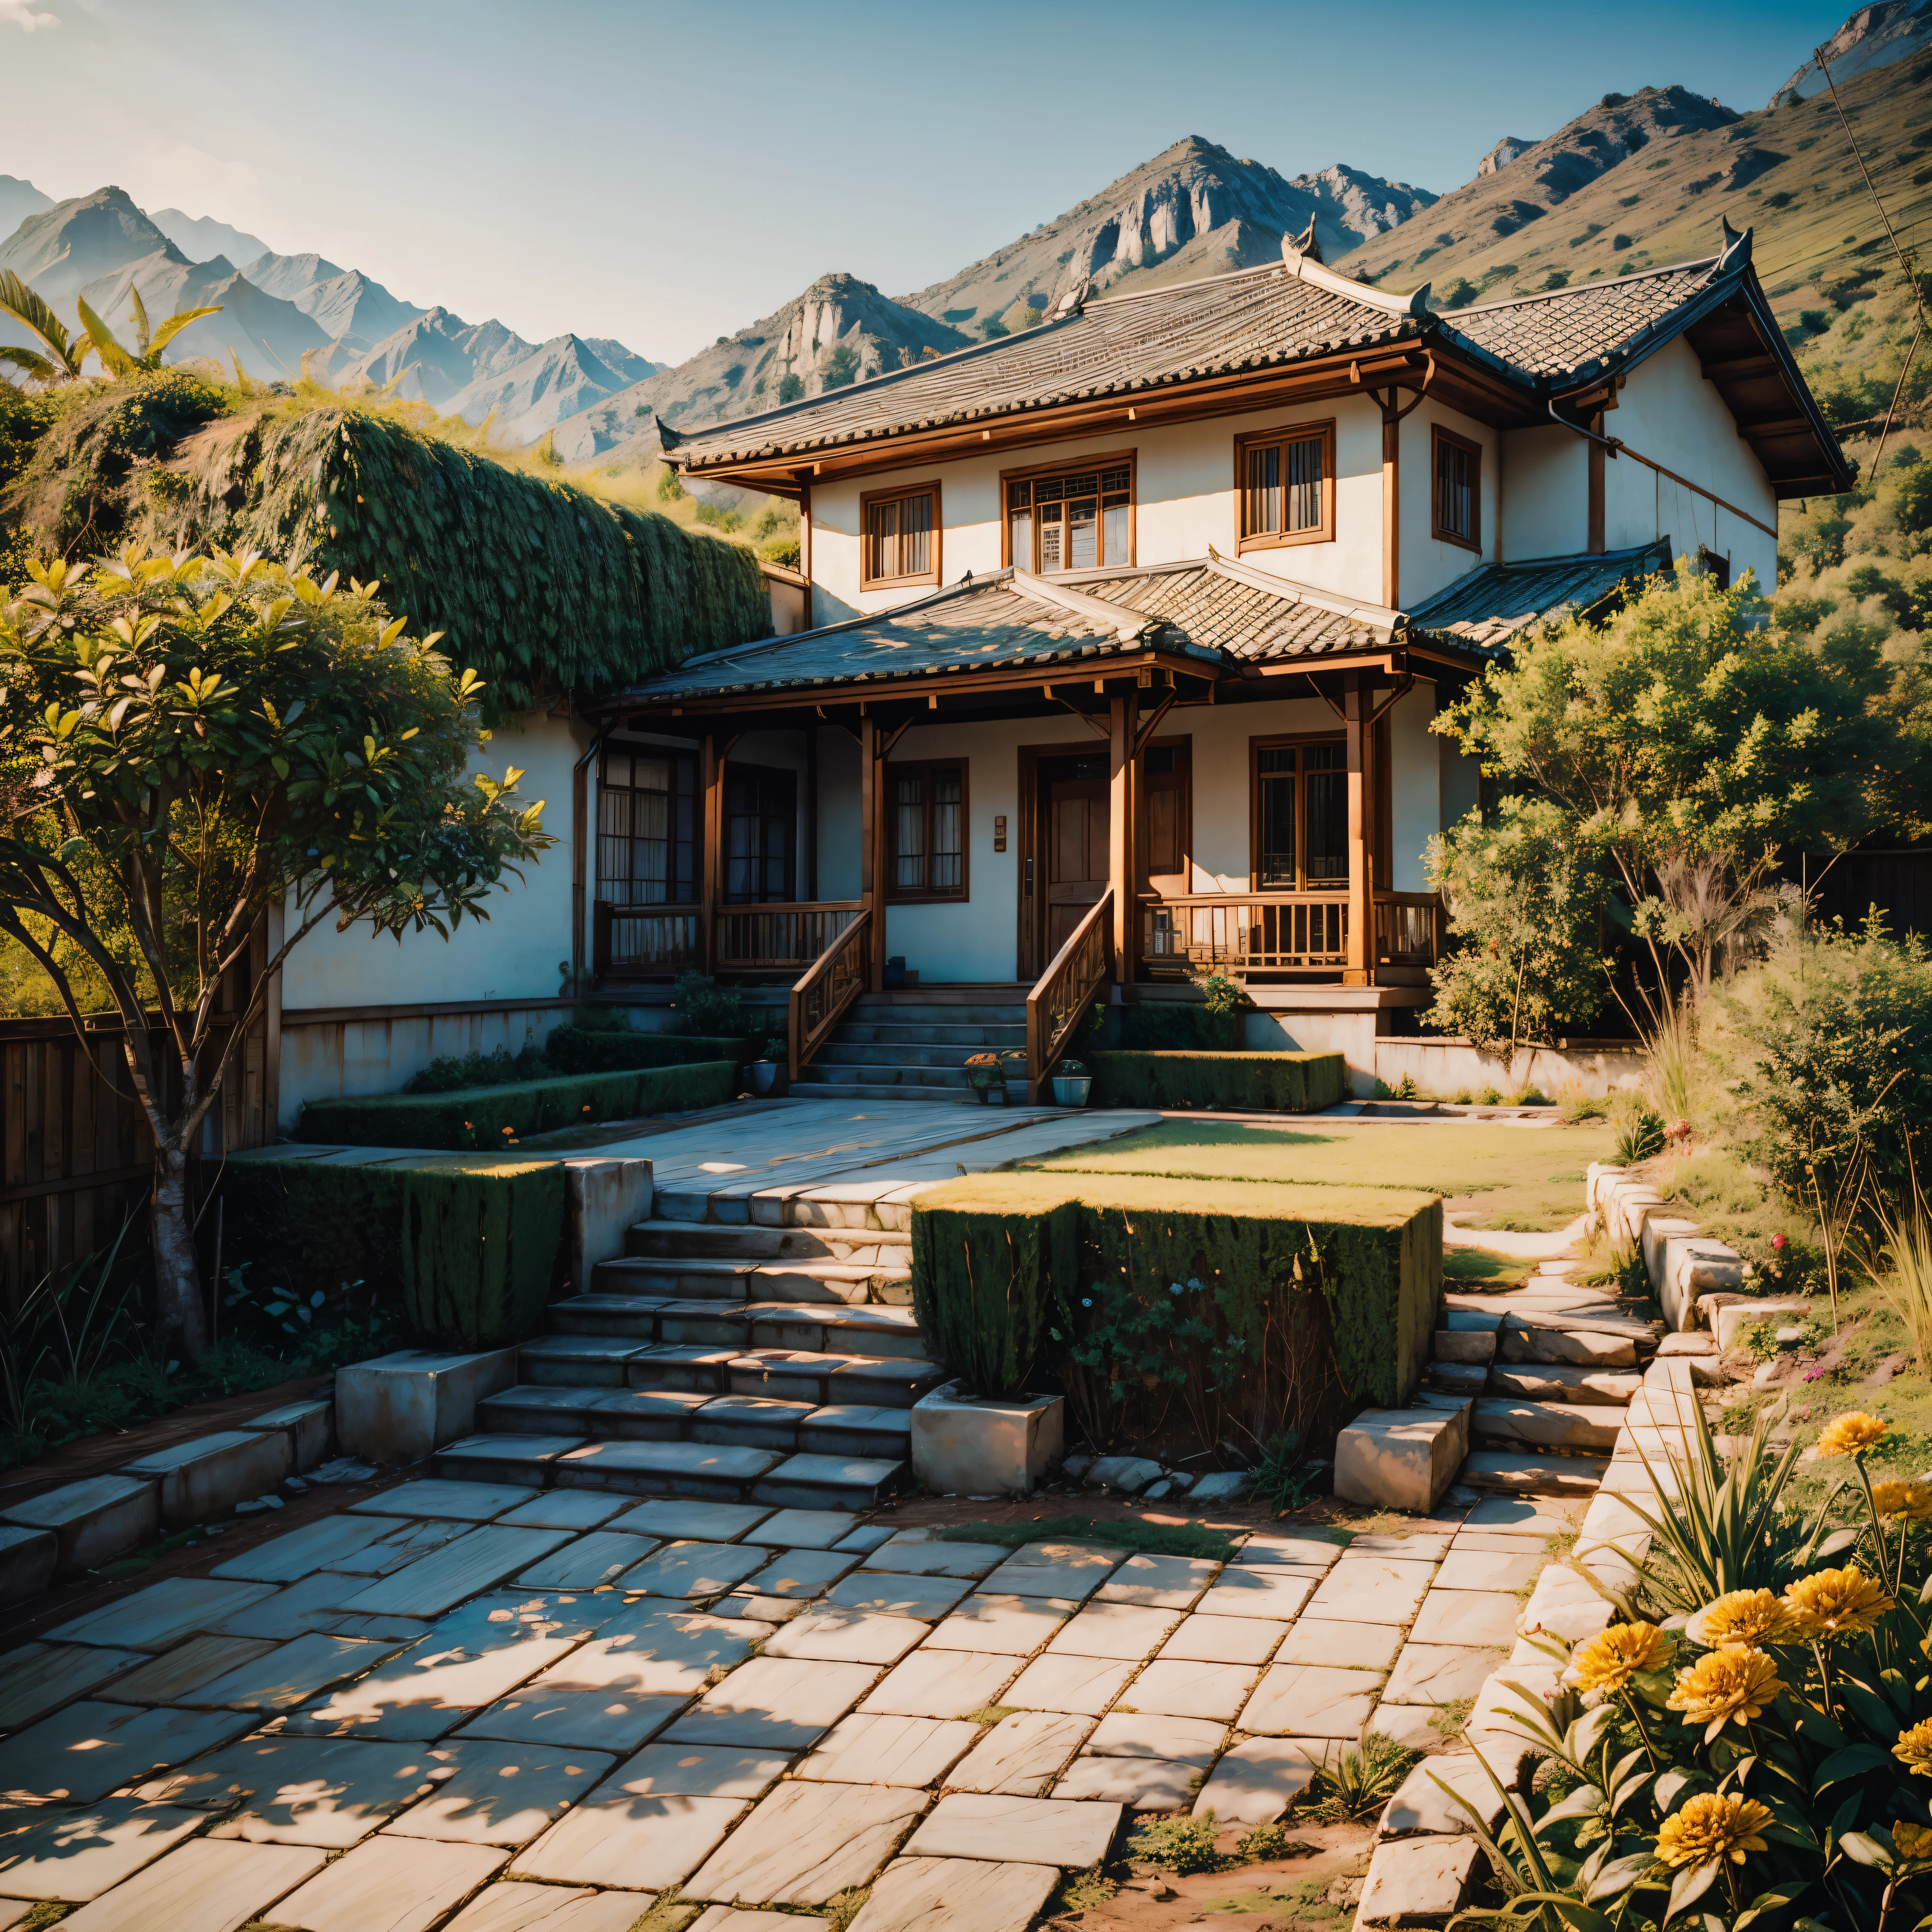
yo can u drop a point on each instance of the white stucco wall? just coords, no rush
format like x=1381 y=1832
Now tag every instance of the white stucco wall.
x=1428 y=564
x=1546 y=507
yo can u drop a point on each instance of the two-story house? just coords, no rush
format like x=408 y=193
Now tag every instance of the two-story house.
x=1119 y=640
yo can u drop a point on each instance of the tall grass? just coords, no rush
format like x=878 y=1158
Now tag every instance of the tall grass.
x=1670 y=1045
x=1906 y=1282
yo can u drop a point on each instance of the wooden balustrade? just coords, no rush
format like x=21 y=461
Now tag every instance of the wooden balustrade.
x=1079 y=970
x=831 y=983
x=1281 y=932
x=768 y=938
x=648 y=939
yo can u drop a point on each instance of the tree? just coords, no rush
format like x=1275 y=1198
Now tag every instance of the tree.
x=65 y=353
x=188 y=741
x=148 y=345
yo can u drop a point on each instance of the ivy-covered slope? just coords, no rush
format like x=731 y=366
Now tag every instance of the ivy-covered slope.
x=543 y=588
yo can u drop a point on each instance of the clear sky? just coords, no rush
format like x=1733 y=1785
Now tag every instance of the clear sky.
x=664 y=172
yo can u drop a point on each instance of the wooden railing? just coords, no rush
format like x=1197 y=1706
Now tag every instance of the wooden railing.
x=771 y=938
x=1408 y=928
x=1252 y=932
x=1080 y=969
x=832 y=983
x=647 y=939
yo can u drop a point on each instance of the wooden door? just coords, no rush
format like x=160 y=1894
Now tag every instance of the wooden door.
x=1076 y=856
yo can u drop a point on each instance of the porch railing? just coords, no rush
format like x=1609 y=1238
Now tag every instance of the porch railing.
x=1408 y=928
x=1282 y=932
x=648 y=939
x=771 y=938
x=1079 y=970
x=831 y=983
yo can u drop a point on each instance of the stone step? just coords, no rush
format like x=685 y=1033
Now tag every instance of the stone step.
x=1606 y=1388
x=942 y=1056
x=872 y=1088
x=866 y=1328
x=847 y=1283
x=1519 y=1341
x=821 y=1482
x=799 y=1375
x=661 y=1241
x=854 y=1428
x=1546 y=1425
x=874 y=1012
x=1510 y=1473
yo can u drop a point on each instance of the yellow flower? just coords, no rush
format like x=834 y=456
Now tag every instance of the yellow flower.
x=1724 y=1687
x=1835 y=1603
x=1740 y=1619
x=1913 y=1501
x=1915 y=1748
x=1912 y=1841
x=1851 y=1435
x=1710 y=1828
x=1611 y=1659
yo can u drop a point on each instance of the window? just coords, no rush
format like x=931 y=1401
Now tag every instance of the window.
x=927 y=831
x=1285 y=487
x=647 y=827
x=1300 y=817
x=900 y=543
x=1459 y=504
x=1079 y=520
x=761 y=834
x=1166 y=778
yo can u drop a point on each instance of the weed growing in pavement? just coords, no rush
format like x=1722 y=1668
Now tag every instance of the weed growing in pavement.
x=1183 y=1845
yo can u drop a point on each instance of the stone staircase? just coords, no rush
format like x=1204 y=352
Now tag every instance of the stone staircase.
x=911 y=1046
x=731 y=1361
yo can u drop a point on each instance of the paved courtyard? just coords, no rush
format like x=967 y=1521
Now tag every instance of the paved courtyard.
x=452 y=1705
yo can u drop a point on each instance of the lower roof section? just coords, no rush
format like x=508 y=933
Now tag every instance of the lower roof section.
x=1497 y=603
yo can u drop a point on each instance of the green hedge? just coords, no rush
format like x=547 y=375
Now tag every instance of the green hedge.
x=1281 y=1083
x=589 y=1050
x=489 y=1117
x=467 y=1249
x=1171 y=1026
x=1294 y=1304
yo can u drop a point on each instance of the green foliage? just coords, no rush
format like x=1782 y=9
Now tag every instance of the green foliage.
x=1167 y=1026
x=1183 y=1845
x=453 y=1071
x=1264 y=1844
x=576 y=1049
x=484 y=1118
x=1282 y=1477
x=840 y=370
x=1523 y=895
x=1641 y=1137
x=1291 y=1083
x=786 y=552
x=1149 y=1539
x=1360 y=1782
x=791 y=388
x=704 y=1007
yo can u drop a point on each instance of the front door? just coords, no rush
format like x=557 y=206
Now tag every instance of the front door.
x=1076 y=855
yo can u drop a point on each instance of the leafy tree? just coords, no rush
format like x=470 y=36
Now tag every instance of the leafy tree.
x=65 y=353
x=186 y=742
x=840 y=367
x=791 y=387
x=147 y=343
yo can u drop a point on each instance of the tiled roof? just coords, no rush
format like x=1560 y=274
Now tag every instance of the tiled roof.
x=1498 y=601
x=1249 y=320
x=1214 y=610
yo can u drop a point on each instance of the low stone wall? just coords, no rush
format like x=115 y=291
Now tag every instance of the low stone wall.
x=1445 y=1066
x=1683 y=1262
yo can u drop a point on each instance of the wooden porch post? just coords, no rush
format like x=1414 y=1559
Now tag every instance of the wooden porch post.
x=711 y=778
x=871 y=872
x=1123 y=857
x=1359 y=968
x=805 y=545
x=1391 y=507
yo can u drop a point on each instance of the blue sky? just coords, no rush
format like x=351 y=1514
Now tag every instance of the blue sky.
x=664 y=173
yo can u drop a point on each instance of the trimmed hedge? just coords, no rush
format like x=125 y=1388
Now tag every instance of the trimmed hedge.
x=1281 y=1083
x=489 y=1117
x=590 y=1050
x=466 y=1249
x=1279 y=1304
x=1172 y=1026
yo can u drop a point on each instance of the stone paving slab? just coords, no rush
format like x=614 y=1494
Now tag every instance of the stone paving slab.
x=211 y=1884
x=316 y=1545
x=37 y=1677
x=1173 y=1688
x=594 y=1700
x=705 y=1472
x=454 y=1502
x=600 y=1557
x=670 y=1517
x=1128 y=1631
x=1297 y=1552
x=1022 y=1754
x=329 y=1791
x=291 y=1673
x=877 y=1748
x=807 y=1529
x=1411 y=1547
x=1140 y=1784
x=77 y=1854
x=695 y=1569
x=846 y=1636
x=645 y=1842
x=954 y=1895
x=779 y=1703
x=1431 y=1673
x=1014 y=1578
x=1421 y=1806
x=1467 y=1617
x=802 y=1574
x=171 y=1678
x=1016 y=1625
x=924 y=1558
x=1216 y=1639
x=514 y=1905
x=1278 y=1591
x=927 y=1597
x=1486 y=1570
x=1022 y=1831
x=1369 y=1590
x=500 y=1794
x=808 y=1842
x=562 y=1509
x=1340 y=1646
x=1159 y=1582
x=1257 y=1781
x=943 y=1684
x=731 y=1918
x=82 y=1752
x=478 y=1561
x=1299 y=1700
x=314 y=1603
x=406 y=1539
x=162 y=1614
x=1081 y=1686
x=390 y=1885
x=1419 y=1882
x=1191 y=1741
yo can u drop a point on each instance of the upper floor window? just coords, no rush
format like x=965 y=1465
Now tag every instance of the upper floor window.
x=1285 y=485
x=1458 y=469
x=928 y=829
x=647 y=827
x=901 y=539
x=1073 y=520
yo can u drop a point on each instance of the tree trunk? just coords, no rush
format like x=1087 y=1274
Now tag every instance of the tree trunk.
x=181 y=1323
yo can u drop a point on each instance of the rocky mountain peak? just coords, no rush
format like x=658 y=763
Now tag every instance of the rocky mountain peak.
x=1873 y=37
x=1501 y=154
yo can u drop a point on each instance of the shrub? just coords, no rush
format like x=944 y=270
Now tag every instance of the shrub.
x=1640 y=1138
x=1290 y=1083
x=453 y=1071
x=573 y=1049
x=704 y=1006
x=1183 y=1845
x=1360 y=1782
x=1167 y=1026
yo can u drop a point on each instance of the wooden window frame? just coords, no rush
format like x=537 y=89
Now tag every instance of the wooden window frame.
x=1111 y=459
x=898 y=768
x=898 y=493
x=1287 y=433
x=673 y=755
x=1182 y=746
x=1474 y=541
x=1272 y=741
x=737 y=771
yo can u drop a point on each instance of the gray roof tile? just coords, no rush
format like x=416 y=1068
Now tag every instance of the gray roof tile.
x=1497 y=603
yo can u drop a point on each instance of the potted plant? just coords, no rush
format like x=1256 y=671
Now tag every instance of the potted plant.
x=1071 y=1082
x=986 y=1075
x=766 y=1068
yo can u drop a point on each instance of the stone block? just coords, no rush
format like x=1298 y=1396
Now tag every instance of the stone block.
x=1455 y=1345
x=1458 y=1378
x=94 y=1521
x=27 y=1559
x=1224 y=1486
x=1419 y=1882
x=206 y=1476
x=1728 y=1318
x=984 y=1446
x=1399 y=1458
x=1422 y=1808
x=1563 y=1604
x=1132 y=1474
x=1524 y=1341
x=603 y=1194
x=1257 y=1781
x=403 y=1407
x=954 y=1895
x=310 y=1427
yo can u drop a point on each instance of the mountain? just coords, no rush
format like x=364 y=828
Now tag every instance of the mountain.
x=432 y=357
x=633 y=367
x=66 y=246
x=1873 y=37
x=267 y=337
x=18 y=199
x=840 y=330
x=201 y=238
x=1188 y=193
x=344 y=302
x=557 y=379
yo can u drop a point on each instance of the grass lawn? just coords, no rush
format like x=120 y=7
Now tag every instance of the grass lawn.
x=1494 y=1175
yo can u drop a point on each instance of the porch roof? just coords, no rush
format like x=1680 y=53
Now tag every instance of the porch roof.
x=1221 y=614
x=1497 y=603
